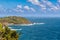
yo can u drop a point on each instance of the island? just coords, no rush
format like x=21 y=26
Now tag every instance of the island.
x=14 y=20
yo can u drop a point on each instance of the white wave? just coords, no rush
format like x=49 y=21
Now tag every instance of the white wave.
x=38 y=23
x=26 y=24
x=16 y=29
x=31 y=24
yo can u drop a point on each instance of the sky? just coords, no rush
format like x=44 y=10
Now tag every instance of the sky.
x=30 y=8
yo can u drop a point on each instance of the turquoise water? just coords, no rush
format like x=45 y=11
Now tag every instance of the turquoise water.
x=43 y=29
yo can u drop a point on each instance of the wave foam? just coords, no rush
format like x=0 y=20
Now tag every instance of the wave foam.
x=16 y=29
x=38 y=23
x=31 y=24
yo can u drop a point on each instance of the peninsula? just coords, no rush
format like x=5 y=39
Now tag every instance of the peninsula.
x=14 y=20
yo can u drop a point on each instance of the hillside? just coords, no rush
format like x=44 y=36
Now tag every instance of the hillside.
x=8 y=34
x=14 y=20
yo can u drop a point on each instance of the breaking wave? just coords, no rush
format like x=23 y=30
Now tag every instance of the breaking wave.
x=31 y=24
x=16 y=29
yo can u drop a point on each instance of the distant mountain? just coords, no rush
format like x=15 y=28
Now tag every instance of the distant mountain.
x=14 y=20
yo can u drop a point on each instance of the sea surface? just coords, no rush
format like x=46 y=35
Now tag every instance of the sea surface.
x=41 y=29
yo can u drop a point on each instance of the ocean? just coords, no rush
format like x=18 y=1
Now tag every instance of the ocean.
x=41 y=29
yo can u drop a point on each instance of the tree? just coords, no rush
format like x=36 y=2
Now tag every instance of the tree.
x=8 y=34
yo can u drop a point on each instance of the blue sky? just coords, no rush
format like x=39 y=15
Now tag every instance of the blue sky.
x=30 y=8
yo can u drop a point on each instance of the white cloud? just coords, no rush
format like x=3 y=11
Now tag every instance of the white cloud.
x=26 y=7
x=45 y=4
x=50 y=5
x=19 y=6
x=33 y=9
x=59 y=1
x=55 y=8
x=29 y=8
x=37 y=2
x=18 y=10
x=21 y=10
x=34 y=2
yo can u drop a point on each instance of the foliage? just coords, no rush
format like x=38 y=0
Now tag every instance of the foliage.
x=8 y=34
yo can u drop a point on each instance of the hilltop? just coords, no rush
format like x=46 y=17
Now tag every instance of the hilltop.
x=14 y=20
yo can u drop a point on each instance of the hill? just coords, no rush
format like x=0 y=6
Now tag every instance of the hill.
x=14 y=20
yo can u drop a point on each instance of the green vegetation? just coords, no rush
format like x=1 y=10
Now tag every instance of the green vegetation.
x=8 y=34
x=1 y=27
x=14 y=20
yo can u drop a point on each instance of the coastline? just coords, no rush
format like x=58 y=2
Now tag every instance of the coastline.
x=29 y=24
